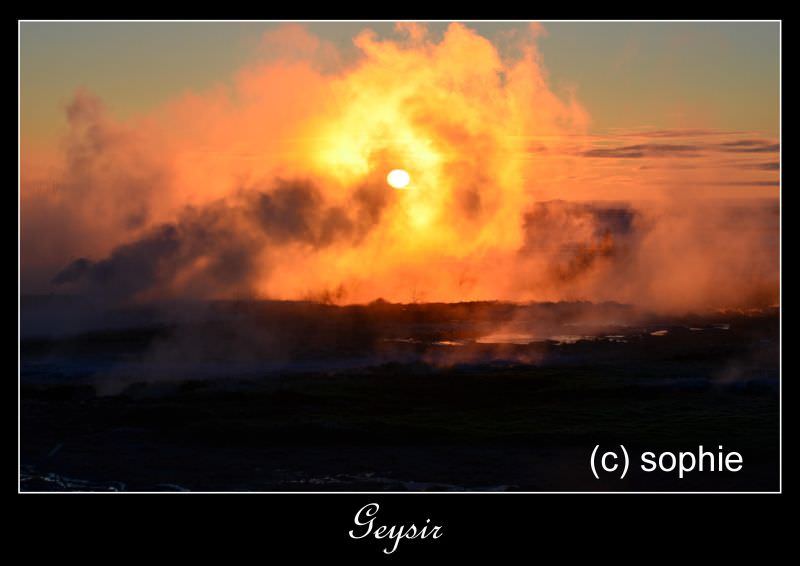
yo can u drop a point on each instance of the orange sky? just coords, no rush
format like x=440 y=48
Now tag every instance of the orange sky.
x=273 y=184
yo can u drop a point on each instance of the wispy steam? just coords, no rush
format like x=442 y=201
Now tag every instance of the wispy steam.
x=273 y=186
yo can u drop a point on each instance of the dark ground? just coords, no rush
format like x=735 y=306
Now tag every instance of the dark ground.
x=368 y=398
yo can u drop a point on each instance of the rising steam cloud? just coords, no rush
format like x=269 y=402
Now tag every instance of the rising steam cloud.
x=273 y=186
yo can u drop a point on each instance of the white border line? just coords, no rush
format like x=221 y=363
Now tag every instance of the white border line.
x=780 y=268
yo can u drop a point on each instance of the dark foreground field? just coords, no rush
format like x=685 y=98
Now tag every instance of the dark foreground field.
x=424 y=397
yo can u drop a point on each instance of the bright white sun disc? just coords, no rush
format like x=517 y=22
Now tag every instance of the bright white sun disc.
x=398 y=178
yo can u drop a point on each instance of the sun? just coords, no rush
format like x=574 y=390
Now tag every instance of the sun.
x=398 y=178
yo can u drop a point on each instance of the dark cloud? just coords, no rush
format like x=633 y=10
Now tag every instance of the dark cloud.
x=290 y=212
x=336 y=224
x=752 y=183
x=73 y=271
x=215 y=248
x=645 y=150
x=369 y=202
x=130 y=268
x=576 y=236
x=745 y=143
x=769 y=166
x=681 y=150
x=750 y=146
x=296 y=212
x=676 y=133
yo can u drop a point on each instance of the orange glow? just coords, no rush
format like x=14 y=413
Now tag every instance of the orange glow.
x=483 y=138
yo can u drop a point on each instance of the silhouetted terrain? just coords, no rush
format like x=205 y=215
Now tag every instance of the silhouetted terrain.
x=282 y=396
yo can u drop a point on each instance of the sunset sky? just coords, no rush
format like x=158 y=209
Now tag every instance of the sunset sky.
x=280 y=137
x=628 y=75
